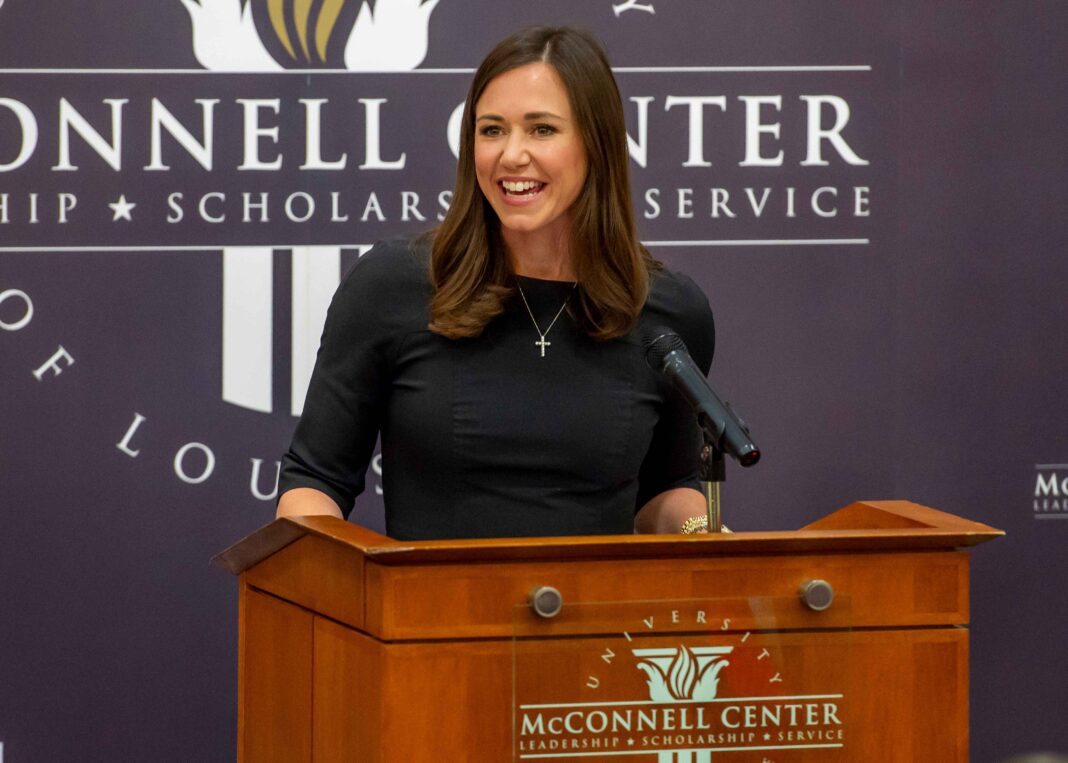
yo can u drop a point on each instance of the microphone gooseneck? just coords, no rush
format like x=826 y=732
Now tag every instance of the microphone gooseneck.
x=667 y=354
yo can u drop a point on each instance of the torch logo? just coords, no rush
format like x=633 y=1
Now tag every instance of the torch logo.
x=683 y=674
x=271 y=35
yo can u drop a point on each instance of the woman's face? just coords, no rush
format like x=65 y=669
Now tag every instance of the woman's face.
x=529 y=156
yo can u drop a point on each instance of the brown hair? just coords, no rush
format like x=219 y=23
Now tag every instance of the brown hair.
x=469 y=269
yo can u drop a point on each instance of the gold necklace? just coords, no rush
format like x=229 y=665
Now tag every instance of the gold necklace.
x=542 y=342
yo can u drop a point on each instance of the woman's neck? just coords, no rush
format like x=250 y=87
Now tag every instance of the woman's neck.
x=540 y=254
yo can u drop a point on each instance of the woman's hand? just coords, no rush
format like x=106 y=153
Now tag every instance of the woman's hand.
x=668 y=511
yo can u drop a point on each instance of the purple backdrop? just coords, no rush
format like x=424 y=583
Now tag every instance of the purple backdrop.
x=887 y=298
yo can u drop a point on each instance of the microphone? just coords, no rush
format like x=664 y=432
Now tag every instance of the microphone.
x=666 y=353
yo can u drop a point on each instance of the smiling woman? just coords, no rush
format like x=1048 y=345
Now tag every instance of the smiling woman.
x=501 y=356
x=531 y=166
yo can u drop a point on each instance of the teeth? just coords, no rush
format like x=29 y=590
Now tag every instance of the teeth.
x=521 y=187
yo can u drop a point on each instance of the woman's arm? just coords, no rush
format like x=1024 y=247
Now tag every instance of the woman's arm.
x=665 y=512
x=306 y=501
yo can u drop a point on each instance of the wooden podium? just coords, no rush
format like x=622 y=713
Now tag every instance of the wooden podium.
x=356 y=647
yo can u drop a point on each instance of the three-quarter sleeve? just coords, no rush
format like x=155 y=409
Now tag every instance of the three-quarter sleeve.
x=343 y=410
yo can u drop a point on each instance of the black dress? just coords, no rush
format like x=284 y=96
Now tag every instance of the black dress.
x=484 y=437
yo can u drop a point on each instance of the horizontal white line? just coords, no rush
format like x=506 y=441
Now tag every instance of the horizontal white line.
x=607 y=754
x=1051 y=466
x=765 y=242
x=206 y=247
x=150 y=248
x=616 y=69
x=735 y=69
x=1052 y=516
x=775 y=698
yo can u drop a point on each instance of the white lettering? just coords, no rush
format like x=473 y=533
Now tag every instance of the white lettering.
x=179 y=463
x=444 y=201
x=652 y=200
x=720 y=197
x=309 y=207
x=373 y=159
x=696 y=104
x=313 y=157
x=27 y=315
x=758 y=207
x=53 y=363
x=67 y=203
x=335 y=211
x=639 y=149
x=816 y=201
x=376 y=463
x=372 y=206
x=28 y=128
x=410 y=204
x=1047 y=486
x=817 y=133
x=576 y=727
x=174 y=202
x=685 y=203
x=254 y=481
x=861 y=202
x=452 y=131
x=754 y=129
x=124 y=443
x=110 y=152
x=535 y=726
x=597 y=721
x=250 y=205
x=253 y=133
x=203 y=206
x=162 y=119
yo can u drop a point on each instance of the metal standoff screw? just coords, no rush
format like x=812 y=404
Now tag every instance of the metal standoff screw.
x=546 y=601
x=818 y=595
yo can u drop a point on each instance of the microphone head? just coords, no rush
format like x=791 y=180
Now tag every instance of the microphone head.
x=659 y=343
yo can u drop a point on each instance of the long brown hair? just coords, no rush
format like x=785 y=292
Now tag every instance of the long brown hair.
x=469 y=269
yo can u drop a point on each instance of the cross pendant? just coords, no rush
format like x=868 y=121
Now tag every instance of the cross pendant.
x=543 y=344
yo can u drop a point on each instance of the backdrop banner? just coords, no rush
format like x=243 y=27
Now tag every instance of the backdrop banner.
x=871 y=194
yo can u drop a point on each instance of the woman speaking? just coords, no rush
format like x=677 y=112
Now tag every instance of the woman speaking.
x=500 y=356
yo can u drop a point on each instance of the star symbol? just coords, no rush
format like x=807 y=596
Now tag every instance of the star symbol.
x=121 y=209
x=767 y=737
x=630 y=742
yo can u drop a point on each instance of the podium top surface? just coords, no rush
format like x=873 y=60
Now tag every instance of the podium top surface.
x=860 y=526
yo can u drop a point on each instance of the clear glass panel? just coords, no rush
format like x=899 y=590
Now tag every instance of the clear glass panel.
x=683 y=681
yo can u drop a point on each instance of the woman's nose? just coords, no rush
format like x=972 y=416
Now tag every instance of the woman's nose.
x=515 y=152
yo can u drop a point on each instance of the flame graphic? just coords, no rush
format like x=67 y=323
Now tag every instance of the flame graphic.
x=684 y=676
x=225 y=38
x=390 y=38
x=315 y=30
x=388 y=35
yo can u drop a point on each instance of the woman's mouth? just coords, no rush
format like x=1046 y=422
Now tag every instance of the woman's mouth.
x=520 y=189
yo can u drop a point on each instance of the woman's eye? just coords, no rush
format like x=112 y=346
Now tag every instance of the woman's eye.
x=544 y=130
x=490 y=131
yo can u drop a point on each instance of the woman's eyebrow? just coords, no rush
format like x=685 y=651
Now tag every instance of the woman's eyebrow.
x=530 y=116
